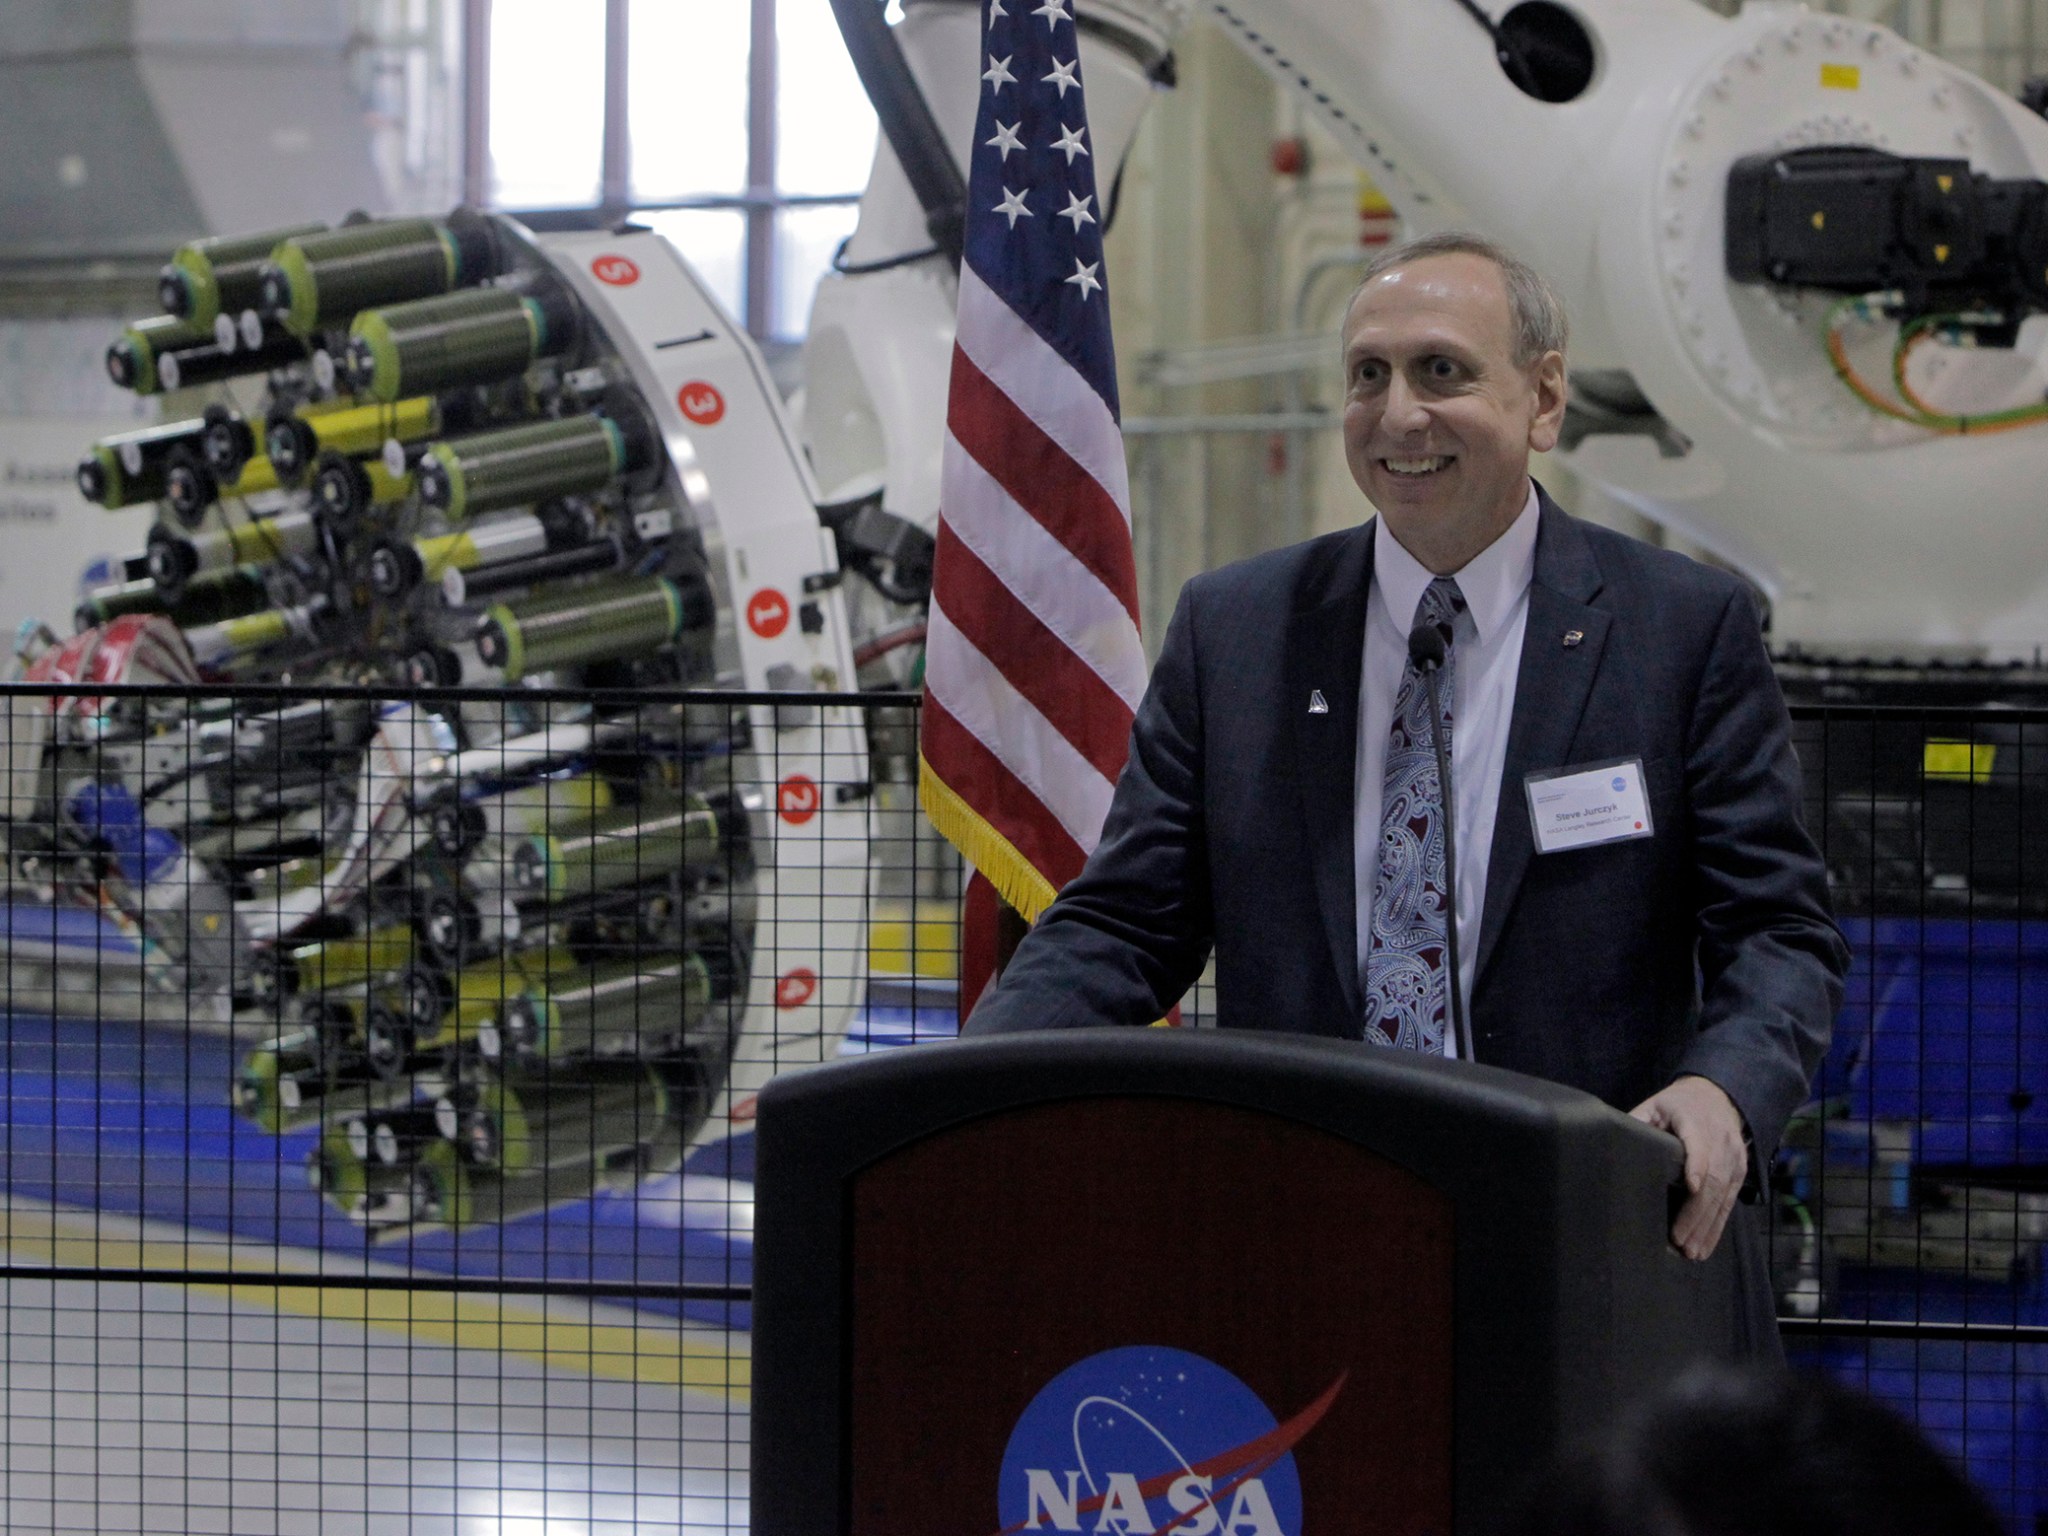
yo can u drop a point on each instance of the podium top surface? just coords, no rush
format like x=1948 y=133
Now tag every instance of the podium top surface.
x=1382 y=1098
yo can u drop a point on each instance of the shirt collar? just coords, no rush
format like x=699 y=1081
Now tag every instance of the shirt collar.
x=1493 y=580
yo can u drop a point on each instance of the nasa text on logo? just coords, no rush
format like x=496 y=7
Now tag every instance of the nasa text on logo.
x=1620 y=783
x=1149 y=1438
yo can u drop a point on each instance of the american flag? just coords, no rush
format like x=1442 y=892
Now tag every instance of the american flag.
x=1033 y=667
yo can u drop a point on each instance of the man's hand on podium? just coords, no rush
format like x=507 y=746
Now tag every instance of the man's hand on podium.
x=1709 y=1126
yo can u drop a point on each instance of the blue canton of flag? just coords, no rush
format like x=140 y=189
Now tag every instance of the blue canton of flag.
x=1034 y=222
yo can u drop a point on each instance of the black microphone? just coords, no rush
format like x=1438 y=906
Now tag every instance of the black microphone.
x=1426 y=651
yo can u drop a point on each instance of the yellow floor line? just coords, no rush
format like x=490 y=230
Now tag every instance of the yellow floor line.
x=652 y=1352
x=922 y=941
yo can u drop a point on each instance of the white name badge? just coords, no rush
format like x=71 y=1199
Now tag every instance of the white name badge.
x=1583 y=806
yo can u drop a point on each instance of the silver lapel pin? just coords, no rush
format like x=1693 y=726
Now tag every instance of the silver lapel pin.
x=1317 y=704
x=1572 y=637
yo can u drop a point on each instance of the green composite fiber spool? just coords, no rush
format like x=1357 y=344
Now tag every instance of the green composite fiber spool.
x=450 y=1193
x=479 y=991
x=205 y=600
x=471 y=337
x=517 y=466
x=348 y=1179
x=620 y=848
x=117 y=598
x=319 y=279
x=132 y=359
x=588 y=623
x=104 y=479
x=254 y=631
x=206 y=278
x=181 y=556
x=620 y=1002
x=296 y=439
x=130 y=466
x=519 y=1125
x=272 y=1087
x=340 y=962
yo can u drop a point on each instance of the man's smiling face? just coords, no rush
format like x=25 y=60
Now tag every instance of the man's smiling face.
x=1439 y=419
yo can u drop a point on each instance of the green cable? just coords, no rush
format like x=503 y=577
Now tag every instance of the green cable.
x=1958 y=424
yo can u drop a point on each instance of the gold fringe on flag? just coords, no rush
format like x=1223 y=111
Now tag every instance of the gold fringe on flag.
x=1015 y=877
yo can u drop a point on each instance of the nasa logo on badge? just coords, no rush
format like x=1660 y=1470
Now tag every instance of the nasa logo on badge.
x=1147 y=1438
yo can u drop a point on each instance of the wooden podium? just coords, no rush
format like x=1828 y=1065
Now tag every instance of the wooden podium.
x=1224 y=1283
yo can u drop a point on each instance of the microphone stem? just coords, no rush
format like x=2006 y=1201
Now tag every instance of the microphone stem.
x=1462 y=1034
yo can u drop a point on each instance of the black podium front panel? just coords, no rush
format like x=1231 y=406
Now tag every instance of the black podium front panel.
x=1013 y=1283
x=1042 y=1285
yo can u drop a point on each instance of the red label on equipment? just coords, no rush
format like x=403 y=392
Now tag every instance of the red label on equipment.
x=619 y=271
x=767 y=613
x=796 y=988
x=797 y=799
x=702 y=403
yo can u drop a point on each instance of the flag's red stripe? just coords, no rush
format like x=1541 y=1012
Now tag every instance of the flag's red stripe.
x=998 y=796
x=1042 y=478
x=1061 y=686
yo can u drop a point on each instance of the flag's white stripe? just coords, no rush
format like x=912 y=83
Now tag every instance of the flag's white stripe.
x=974 y=692
x=1068 y=598
x=1044 y=385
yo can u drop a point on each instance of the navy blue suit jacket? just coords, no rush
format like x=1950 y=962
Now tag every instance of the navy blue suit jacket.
x=1709 y=948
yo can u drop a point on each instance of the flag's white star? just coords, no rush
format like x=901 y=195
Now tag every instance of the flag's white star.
x=1070 y=141
x=1077 y=210
x=1006 y=138
x=1084 y=276
x=1012 y=207
x=995 y=10
x=1054 y=12
x=998 y=73
x=1062 y=75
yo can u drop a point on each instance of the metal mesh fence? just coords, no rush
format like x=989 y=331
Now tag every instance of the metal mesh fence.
x=379 y=1069
x=1911 y=1202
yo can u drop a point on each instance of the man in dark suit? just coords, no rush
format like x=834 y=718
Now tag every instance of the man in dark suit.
x=1683 y=965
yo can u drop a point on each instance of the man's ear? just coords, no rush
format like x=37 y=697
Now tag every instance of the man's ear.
x=1552 y=389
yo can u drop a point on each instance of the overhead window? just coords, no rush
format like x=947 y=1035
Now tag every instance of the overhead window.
x=604 y=109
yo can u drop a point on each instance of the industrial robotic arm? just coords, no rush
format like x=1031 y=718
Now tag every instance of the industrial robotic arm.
x=1806 y=264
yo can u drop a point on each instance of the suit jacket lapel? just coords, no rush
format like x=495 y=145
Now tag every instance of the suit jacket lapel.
x=1325 y=652
x=1550 y=697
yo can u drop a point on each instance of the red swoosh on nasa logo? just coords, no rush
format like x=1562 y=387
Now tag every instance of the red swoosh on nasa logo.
x=1245 y=1461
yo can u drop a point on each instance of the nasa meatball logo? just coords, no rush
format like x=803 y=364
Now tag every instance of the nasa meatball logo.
x=1150 y=1439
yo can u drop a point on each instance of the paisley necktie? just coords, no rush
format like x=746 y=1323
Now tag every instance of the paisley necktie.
x=1407 y=961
